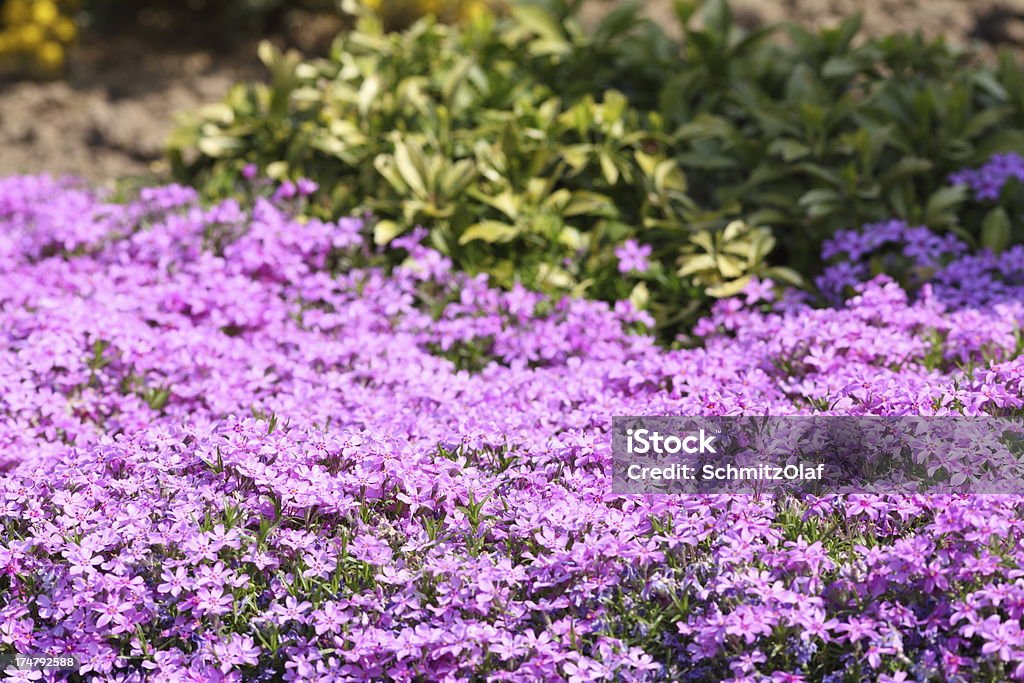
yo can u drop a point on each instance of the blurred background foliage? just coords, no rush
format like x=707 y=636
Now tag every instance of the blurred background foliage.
x=35 y=35
x=532 y=149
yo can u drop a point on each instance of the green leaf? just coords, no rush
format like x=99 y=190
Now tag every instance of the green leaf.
x=385 y=231
x=577 y=156
x=572 y=238
x=819 y=196
x=705 y=240
x=783 y=274
x=984 y=120
x=847 y=31
x=987 y=81
x=585 y=203
x=646 y=162
x=668 y=177
x=704 y=126
x=385 y=165
x=727 y=289
x=697 y=263
x=490 y=232
x=905 y=167
x=640 y=296
x=1000 y=141
x=278 y=170
x=717 y=16
x=760 y=247
x=220 y=145
x=410 y=165
x=734 y=230
x=608 y=167
x=789 y=149
x=539 y=21
x=617 y=22
x=684 y=11
x=506 y=202
x=368 y=93
x=942 y=205
x=995 y=231
x=730 y=266
x=557 y=200
x=268 y=53
x=457 y=178
x=456 y=77
x=843 y=66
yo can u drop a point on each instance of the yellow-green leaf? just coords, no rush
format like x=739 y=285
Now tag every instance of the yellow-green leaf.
x=639 y=296
x=668 y=177
x=608 y=168
x=729 y=266
x=219 y=145
x=385 y=231
x=696 y=264
x=409 y=162
x=490 y=232
x=727 y=289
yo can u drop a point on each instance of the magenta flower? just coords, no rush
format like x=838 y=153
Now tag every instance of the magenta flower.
x=236 y=652
x=287 y=190
x=306 y=187
x=633 y=257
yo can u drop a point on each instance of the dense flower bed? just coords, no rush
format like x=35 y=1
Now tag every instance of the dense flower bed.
x=234 y=451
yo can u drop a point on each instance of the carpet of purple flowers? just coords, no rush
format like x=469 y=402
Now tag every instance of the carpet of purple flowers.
x=233 y=450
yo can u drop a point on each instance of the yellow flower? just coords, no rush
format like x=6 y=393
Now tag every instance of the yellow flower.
x=45 y=12
x=50 y=56
x=430 y=7
x=65 y=29
x=29 y=36
x=472 y=10
x=16 y=12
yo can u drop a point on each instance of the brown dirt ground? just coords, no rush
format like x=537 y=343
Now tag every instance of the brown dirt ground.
x=964 y=22
x=109 y=117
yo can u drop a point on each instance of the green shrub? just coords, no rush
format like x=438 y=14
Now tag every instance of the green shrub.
x=531 y=148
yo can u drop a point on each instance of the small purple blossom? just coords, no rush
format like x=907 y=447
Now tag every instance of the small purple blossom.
x=633 y=256
x=306 y=187
x=287 y=190
x=987 y=181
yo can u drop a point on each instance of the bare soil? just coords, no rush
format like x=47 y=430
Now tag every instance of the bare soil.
x=112 y=113
x=983 y=23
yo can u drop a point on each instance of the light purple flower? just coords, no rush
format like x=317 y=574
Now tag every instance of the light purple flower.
x=633 y=256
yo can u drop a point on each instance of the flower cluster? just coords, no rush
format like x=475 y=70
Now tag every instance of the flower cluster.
x=940 y=266
x=234 y=451
x=988 y=180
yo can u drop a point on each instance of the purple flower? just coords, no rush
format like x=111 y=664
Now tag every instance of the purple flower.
x=287 y=190
x=237 y=651
x=633 y=256
x=988 y=181
x=306 y=187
